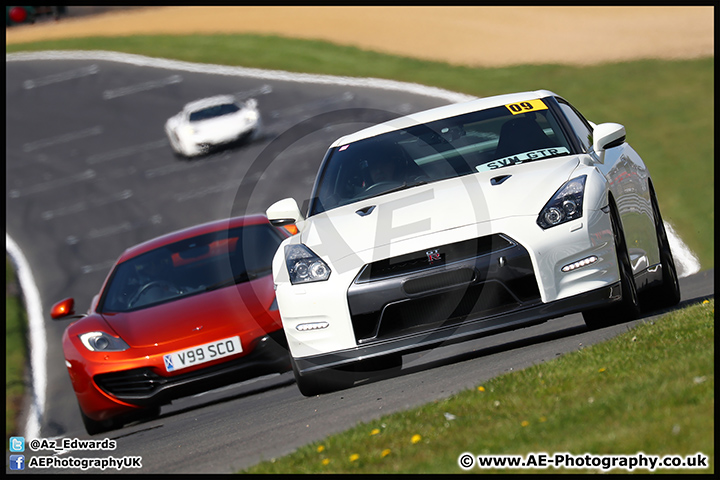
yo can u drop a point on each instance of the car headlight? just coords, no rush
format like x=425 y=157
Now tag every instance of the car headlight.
x=565 y=205
x=102 y=342
x=304 y=266
x=188 y=131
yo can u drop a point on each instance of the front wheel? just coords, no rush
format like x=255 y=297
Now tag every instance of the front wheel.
x=94 y=427
x=629 y=306
x=667 y=294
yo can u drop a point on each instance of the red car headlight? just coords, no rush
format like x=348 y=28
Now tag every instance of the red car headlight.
x=102 y=342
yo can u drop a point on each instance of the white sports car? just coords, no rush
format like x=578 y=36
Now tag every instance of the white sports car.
x=461 y=221
x=211 y=122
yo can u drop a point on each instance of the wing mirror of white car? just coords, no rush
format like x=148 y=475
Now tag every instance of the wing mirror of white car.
x=607 y=135
x=284 y=212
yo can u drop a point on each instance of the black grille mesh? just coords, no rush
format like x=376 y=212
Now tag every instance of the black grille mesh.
x=472 y=280
x=439 y=280
x=131 y=382
x=418 y=261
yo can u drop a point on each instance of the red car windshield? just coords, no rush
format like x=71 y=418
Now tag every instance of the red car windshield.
x=190 y=267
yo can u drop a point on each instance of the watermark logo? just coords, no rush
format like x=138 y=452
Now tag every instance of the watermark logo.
x=398 y=219
x=17 y=462
x=17 y=444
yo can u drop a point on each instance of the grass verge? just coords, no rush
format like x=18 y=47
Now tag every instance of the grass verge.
x=649 y=390
x=15 y=351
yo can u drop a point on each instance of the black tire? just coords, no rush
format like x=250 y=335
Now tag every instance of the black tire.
x=667 y=294
x=629 y=307
x=147 y=414
x=323 y=381
x=93 y=427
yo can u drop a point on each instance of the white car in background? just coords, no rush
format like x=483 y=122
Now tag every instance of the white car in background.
x=212 y=122
x=461 y=221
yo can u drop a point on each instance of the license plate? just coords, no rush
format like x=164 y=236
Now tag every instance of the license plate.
x=202 y=353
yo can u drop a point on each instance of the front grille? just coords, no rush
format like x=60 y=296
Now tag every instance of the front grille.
x=130 y=383
x=445 y=309
x=477 y=278
x=439 y=281
x=142 y=386
x=419 y=261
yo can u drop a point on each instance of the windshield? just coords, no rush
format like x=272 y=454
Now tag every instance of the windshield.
x=214 y=111
x=469 y=143
x=191 y=266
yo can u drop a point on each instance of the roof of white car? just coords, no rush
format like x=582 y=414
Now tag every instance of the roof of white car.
x=440 y=113
x=208 y=102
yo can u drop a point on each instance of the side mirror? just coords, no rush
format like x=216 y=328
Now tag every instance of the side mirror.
x=284 y=212
x=605 y=136
x=63 y=309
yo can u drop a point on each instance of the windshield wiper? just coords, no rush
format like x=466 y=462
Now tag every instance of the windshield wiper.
x=404 y=186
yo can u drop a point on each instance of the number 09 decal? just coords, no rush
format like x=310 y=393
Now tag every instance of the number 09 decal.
x=527 y=106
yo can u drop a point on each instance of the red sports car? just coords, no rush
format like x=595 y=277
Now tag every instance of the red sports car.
x=183 y=313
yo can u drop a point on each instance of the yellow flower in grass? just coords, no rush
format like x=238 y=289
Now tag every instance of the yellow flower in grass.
x=525 y=423
x=415 y=438
x=325 y=461
x=385 y=453
x=354 y=457
x=321 y=448
x=481 y=388
x=602 y=369
x=375 y=431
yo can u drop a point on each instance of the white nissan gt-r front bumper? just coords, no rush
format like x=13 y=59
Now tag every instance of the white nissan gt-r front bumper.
x=487 y=277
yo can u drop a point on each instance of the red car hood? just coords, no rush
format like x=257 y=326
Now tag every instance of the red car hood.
x=237 y=310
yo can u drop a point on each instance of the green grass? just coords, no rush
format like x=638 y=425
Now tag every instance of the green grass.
x=666 y=106
x=649 y=390
x=15 y=351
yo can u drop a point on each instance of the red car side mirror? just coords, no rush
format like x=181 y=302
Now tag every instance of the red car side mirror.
x=62 y=309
